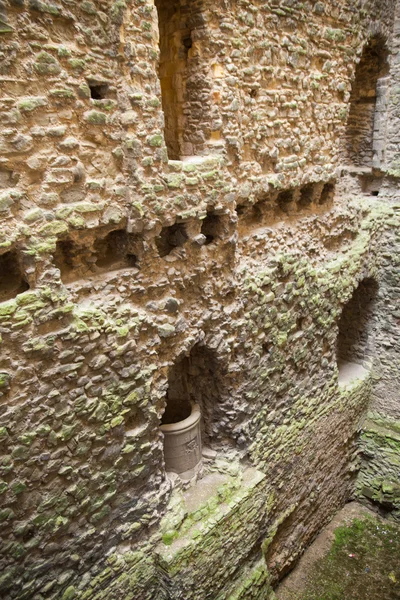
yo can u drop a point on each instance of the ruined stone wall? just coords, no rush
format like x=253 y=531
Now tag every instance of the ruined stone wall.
x=379 y=479
x=246 y=250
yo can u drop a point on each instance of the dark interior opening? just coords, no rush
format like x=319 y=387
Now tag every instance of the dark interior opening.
x=306 y=195
x=184 y=80
x=284 y=200
x=327 y=193
x=171 y=237
x=98 y=91
x=211 y=227
x=175 y=43
x=194 y=380
x=364 y=135
x=12 y=281
x=116 y=250
x=355 y=339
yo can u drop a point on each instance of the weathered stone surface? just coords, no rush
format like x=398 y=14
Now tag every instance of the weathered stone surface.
x=119 y=260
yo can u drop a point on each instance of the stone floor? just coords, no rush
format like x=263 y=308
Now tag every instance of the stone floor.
x=356 y=557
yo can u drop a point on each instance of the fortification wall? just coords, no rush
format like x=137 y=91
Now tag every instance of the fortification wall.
x=116 y=262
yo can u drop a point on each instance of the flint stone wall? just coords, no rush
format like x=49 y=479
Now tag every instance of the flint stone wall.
x=84 y=363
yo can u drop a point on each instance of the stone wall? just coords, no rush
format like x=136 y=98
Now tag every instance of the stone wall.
x=122 y=262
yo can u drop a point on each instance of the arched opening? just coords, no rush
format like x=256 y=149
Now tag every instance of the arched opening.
x=366 y=126
x=184 y=91
x=192 y=386
x=355 y=346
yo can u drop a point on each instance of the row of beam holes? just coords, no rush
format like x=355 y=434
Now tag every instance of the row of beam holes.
x=117 y=249
x=114 y=251
x=176 y=235
x=285 y=201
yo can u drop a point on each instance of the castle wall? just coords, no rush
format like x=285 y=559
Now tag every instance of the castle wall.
x=92 y=324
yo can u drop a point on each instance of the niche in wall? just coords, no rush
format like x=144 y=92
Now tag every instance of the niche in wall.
x=327 y=193
x=184 y=89
x=98 y=89
x=307 y=195
x=365 y=134
x=195 y=379
x=285 y=200
x=12 y=281
x=193 y=391
x=211 y=227
x=355 y=343
x=116 y=250
x=70 y=259
x=171 y=237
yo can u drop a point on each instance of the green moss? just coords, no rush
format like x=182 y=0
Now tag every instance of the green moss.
x=78 y=64
x=7 y=308
x=95 y=117
x=156 y=141
x=88 y=7
x=31 y=103
x=362 y=563
x=62 y=93
x=169 y=537
x=46 y=64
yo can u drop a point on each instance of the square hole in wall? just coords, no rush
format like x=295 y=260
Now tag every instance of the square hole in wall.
x=284 y=200
x=98 y=90
x=307 y=194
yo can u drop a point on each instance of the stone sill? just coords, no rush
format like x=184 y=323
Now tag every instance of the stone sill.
x=351 y=374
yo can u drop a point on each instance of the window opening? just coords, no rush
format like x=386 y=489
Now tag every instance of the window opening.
x=185 y=92
x=366 y=126
x=355 y=340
